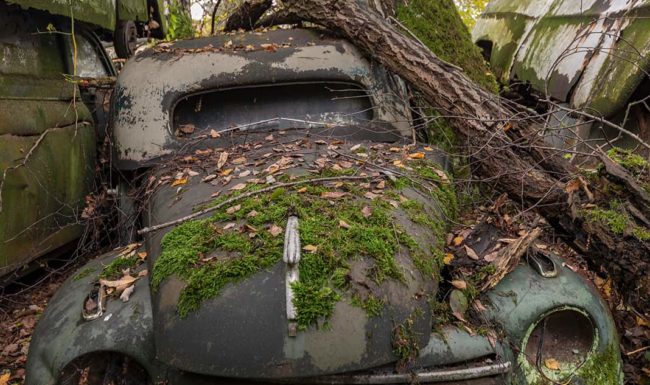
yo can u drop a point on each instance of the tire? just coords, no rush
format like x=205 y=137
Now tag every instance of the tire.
x=126 y=39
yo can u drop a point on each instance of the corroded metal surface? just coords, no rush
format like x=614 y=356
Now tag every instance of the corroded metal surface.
x=591 y=54
x=150 y=86
x=47 y=143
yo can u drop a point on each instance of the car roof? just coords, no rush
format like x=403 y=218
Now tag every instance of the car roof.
x=590 y=54
x=152 y=83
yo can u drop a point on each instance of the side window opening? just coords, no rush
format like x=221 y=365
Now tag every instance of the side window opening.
x=486 y=49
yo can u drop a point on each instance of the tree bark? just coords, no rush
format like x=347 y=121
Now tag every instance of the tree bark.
x=503 y=143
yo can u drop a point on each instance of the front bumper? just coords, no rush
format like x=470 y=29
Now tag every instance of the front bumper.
x=451 y=357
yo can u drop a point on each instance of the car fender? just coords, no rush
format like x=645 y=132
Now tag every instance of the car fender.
x=62 y=335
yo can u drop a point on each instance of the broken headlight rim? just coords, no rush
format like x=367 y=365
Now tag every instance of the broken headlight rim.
x=559 y=344
x=98 y=296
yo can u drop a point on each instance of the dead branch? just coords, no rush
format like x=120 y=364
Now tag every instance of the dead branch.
x=247 y=14
x=248 y=195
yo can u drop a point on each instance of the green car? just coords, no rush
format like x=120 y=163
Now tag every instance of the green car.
x=591 y=56
x=292 y=233
x=47 y=133
x=120 y=21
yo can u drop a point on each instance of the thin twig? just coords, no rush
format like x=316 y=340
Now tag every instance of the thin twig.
x=227 y=202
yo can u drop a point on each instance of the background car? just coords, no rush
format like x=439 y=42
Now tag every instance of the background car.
x=295 y=229
x=120 y=21
x=590 y=56
x=47 y=132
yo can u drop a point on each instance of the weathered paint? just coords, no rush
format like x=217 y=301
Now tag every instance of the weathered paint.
x=150 y=85
x=135 y=10
x=45 y=184
x=41 y=199
x=523 y=297
x=97 y=12
x=591 y=54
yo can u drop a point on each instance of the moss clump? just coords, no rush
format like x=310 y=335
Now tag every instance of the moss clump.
x=208 y=257
x=114 y=269
x=83 y=273
x=405 y=344
x=634 y=163
x=439 y=26
x=618 y=221
x=372 y=305
x=603 y=368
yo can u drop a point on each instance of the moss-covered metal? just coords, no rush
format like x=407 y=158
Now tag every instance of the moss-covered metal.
x=47 y=141
x=591 y=54
x=207 y=257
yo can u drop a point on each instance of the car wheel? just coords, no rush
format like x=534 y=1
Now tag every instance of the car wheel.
x=104 y=369
x=126 y=39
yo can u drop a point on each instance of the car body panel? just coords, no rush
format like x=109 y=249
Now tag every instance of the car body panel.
x=47 y=141
x=97 y=12
x=214 y=347
x=143 y=131
x=517 y=300
x=589 y=54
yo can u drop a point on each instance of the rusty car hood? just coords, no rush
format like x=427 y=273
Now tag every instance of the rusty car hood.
x=243 y=329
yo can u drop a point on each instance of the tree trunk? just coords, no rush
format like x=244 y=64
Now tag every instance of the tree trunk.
x=504 y=145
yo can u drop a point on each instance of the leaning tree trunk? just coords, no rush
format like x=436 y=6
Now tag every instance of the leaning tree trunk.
x=504 y=145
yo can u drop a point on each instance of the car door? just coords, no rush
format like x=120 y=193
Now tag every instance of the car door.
x=47 y=140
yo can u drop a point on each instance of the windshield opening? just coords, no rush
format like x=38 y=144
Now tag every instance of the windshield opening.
x=275 y=107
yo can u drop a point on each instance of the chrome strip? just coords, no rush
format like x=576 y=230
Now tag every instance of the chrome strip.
x=291 y=258
x=431 y=376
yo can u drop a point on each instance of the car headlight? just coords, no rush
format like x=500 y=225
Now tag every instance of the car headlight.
x=559 y=344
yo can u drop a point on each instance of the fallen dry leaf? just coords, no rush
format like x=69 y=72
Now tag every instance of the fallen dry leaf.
x=252 y=214
x=120 y=284
x=370 y=195
x=448 y=258
x=552 y=364
x=223 y=158
x=186 y=128
x=416 y=155
x=209 y=178
x=302 y=190
x=275 y=230
x=233 y=209
x=458 y=240
x=4 y=378
x=332 y=195
x=310 y=248
x=214 y=134
x=179 y=182
x=238 y=187
x=366 y=211
x=142 y=255
x=471 y=253
x=343 y=224
x=126 y=294
x=459 y=284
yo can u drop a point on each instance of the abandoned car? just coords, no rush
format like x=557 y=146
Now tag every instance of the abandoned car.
x=48 y=130
x=292 y=232
x=590 y=56
x=118 y=21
